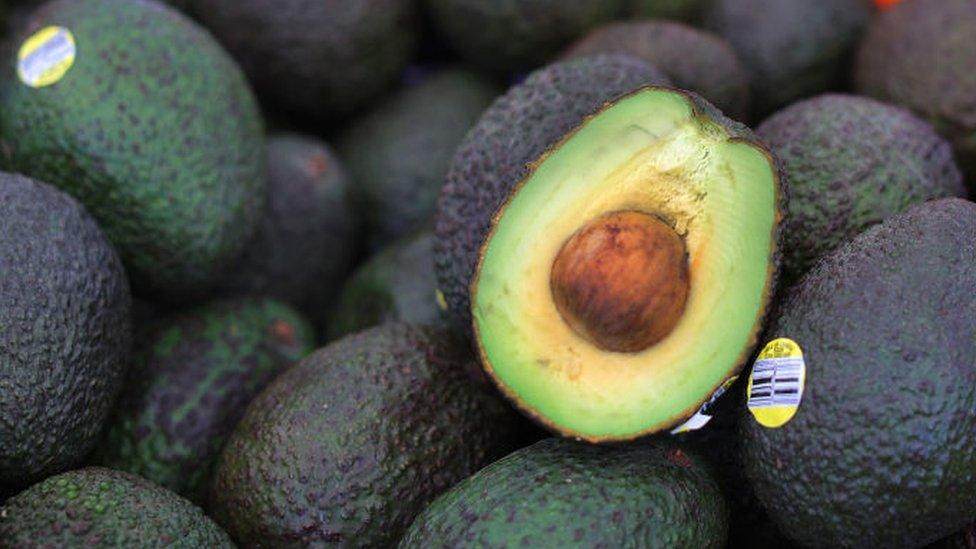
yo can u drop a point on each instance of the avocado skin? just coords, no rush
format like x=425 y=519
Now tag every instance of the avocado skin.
x=349 y=445
x=316 y=58
x=681 y=10
x=851 y=162
x=693 y=59
x=65 y=310
x=190 y=384
x=157 y=134
x=561 y=493
x=398 y=283
x=918 y=54
x=399 y=154
x=307 y=236
x=881 y=450
x=791 y=48
x=98 y=507
x=493 y=158
x=513 y=35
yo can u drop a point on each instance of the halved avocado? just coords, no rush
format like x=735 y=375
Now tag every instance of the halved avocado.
x=627 y=275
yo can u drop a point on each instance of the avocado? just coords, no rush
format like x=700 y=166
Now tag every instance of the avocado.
x=156 y=133
x=65 y=331
x=316 y=58
x=98 y=507
x=399 y=154
x=881 y=451
x=349 y=445
x=693 y=59
x=681 y=10
x=791 y=48
x=515 y=130
x=189 y=386
x=560 y=493
x=512 y=36
x=919 y=54
x=851 y=162
x=306 y=240
x=398 y=283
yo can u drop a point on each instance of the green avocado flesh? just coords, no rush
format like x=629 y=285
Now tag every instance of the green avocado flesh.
x=668 y=154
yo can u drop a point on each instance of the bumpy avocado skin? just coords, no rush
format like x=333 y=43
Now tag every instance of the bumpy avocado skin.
x=306 y=239
x=349 y=445
x=316 y=58
x=919 y=54
x=881 y=450
x=852 y=162
x=153 y=129
x=493 y=158
x=681 y=10
x=66 y=330
x=510 y=35
x=560 y=493
x=398 y=283
x=190 y=384
x=98 y=507
x=791 y=48
x=693 y=59
x=399 y=154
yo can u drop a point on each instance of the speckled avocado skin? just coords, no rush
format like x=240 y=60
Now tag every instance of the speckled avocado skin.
x=560 y=493
x=190 y=385
x=493 y=158
x=65 y=331
x=693 y=59
x=399 y=154
x=398 y=283
x=97 y=507
x=851 y=162
x=306 y=238
x=918 y=54
x=348 y=446
x=881 y=450
x=153 y=129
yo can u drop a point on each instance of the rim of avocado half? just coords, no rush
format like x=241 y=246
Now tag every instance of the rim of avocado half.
x=626 y=277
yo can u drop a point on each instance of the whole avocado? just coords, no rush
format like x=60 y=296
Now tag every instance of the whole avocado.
x=352 y=443
x=66 y=331
x=881 y=452
x=97 y=507
x=851 y=162
x=156 y=133
x=493 y=158
x=316 y=58
x=561 y=493
x=190 y=384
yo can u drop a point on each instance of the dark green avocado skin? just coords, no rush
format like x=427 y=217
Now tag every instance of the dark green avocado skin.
x=190 y=384
x=307 y=237
x=881 y=452
x=397 y=284
x=348 y=446
x=65 y=331
x=98 y=507
x=154 y=129
x=493 y=158
x=561 y=493
x=917 y=54
x=681 y=10
x=851 y=162
x=399 y=153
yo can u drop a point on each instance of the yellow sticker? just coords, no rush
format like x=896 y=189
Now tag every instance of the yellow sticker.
x=776 y=383
x=46 y=57
x=441 y=301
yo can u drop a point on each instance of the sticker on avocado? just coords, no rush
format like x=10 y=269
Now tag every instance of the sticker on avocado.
x=441 y=300
x=776 y=383
x=703 y=415
x=46 y=57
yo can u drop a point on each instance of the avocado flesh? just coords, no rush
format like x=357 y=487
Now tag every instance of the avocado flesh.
x=652 y=151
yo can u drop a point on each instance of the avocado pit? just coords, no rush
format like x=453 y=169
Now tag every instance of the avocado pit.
x=621 y=281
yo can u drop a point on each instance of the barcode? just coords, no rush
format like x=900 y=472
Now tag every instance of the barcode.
x=776 y=382
x=53 y=51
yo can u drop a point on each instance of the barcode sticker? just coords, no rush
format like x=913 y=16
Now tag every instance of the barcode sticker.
x=776 y=383
x=46 y=57
x=704 y=413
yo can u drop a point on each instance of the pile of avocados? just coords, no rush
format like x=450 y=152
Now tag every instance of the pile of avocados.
x=470 y=273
